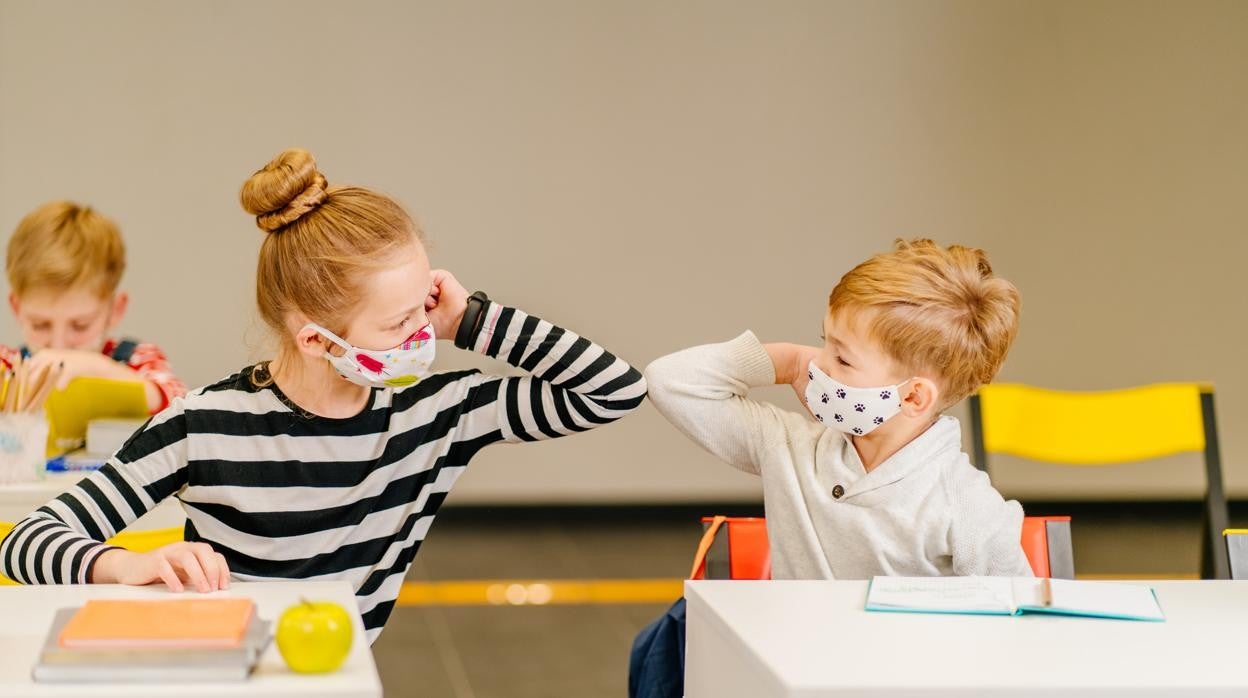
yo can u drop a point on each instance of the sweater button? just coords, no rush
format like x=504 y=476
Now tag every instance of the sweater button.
x=838 y=492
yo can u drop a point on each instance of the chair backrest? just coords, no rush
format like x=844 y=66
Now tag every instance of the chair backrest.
x=1090 y=428
x=1105 y=428
x=1237 y=551
x=744 y=552
x=1047 y=544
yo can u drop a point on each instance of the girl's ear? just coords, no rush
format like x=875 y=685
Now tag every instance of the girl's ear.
x=309 y=341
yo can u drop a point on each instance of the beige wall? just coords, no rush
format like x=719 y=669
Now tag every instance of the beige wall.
x=658 y=174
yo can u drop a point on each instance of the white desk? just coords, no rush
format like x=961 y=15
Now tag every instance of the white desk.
x=26 y=613
x=18 y=500
x=814 y=639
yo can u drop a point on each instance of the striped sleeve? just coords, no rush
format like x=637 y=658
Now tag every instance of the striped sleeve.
x=59 y=542
x=572 y=385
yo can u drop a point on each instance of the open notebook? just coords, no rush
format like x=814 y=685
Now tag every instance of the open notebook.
x=1011 y=596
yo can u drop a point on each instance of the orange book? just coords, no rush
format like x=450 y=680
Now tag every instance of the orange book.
x=175 y=623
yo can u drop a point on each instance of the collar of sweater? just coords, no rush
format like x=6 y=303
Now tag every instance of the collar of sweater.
x=942 y=439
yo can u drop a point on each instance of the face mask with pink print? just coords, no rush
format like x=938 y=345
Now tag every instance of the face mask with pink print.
x=399 y=367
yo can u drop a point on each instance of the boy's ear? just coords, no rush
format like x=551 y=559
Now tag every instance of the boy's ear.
x=921 y=399
x=14 y=304
x=121 y=302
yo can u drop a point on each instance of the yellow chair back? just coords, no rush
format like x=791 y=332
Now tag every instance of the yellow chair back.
x=1092 y=428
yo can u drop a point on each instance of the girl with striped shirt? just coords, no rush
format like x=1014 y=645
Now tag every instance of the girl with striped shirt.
x=331 y=460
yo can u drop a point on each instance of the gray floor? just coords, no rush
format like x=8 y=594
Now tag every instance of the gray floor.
x=518 y=652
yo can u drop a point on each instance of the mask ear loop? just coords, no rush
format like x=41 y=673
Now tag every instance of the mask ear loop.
x=342 y=343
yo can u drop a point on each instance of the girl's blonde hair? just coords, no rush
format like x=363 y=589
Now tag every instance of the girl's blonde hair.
x=320 y=241
x=935 y=309
x=63 y=245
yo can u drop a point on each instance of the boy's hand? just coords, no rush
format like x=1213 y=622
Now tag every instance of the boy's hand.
x=446 y=304
x=178 y=565
x=791 y=362
x=76 y=364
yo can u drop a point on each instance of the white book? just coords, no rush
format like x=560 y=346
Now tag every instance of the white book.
x=1011 y=596
x=106 y=436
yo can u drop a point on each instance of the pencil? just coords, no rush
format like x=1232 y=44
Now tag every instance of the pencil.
x=51 y=377
x=10 y=394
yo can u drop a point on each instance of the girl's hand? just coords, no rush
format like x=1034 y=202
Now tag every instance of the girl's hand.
x=446 y=304
x=178 y=565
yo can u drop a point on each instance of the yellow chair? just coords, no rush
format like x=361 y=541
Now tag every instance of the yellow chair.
x=138 y=541
x=1108 y=428
x=1237 y=551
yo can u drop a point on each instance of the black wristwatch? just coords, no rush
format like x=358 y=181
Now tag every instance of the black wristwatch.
x=474 y=318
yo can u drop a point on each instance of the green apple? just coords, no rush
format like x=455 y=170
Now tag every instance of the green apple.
x=314 y=637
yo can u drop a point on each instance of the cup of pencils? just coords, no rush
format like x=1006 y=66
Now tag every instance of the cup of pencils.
x=23 y=425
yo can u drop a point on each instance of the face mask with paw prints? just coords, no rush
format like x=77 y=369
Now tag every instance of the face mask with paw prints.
x=854 y=411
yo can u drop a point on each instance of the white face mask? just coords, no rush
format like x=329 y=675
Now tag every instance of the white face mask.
x=399 y=367
x=855 y=411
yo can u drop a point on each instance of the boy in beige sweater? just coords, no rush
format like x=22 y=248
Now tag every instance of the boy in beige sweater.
x=876 y=483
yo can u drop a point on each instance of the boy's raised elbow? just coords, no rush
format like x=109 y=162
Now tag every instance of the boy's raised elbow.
x=658 y=379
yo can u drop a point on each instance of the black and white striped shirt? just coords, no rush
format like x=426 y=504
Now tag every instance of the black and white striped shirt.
x=287 y=495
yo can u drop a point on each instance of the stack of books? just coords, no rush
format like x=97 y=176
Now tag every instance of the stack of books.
x=84 y=399
x=183 y=640
x=106 y=436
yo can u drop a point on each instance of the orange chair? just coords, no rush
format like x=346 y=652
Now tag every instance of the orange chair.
x=1046 y=542
x=744 y=552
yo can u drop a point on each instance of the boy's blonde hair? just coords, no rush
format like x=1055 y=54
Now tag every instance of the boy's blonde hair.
x=934 y=309
x=320 y=241
x=63 y=245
